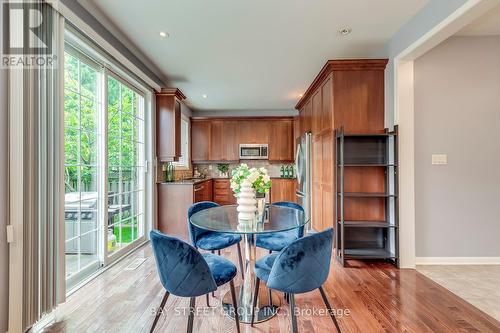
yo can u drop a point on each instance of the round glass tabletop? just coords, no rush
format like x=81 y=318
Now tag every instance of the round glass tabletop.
x=225 y=219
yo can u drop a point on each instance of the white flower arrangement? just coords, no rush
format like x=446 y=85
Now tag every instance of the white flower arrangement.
x=259 y=178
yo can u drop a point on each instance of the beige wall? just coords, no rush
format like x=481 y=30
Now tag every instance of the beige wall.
x=457 y=112
x=4 y=251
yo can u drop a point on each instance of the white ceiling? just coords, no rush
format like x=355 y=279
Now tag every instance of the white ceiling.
x=250 y=55
x=488 y=24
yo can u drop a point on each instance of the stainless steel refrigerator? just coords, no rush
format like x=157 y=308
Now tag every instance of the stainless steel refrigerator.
x=303 y=166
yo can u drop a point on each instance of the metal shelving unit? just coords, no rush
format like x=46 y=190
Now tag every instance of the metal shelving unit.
x=364 y=238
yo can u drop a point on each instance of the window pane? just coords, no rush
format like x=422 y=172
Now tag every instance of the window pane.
x=88 y=83
x=89 y=179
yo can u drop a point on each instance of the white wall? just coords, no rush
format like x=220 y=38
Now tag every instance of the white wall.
x=4 y=250
x=425 y=20
x=457 y=112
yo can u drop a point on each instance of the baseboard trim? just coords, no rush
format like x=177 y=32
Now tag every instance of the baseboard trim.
x=458 y=260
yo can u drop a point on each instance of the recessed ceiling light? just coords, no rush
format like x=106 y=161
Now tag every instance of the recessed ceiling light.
x=345 y=31
x=164 y=34
x=205 y=95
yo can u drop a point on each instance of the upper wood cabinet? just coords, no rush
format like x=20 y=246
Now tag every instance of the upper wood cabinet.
x=216 y=149
x=168 y=124
x=281 y=141
x=200 y=140
x=326 y=110
x=231 y=140
x=223 y=141
x=316 y=113
x=218 y=139
x=253 y=131
x=347 y=93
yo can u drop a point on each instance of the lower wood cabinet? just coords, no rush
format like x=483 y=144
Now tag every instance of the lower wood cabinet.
x=283 y=189
x=203 y=191
x=222 y=193
x=173 y=203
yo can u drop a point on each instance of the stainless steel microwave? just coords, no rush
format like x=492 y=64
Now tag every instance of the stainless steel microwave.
x=254 y=152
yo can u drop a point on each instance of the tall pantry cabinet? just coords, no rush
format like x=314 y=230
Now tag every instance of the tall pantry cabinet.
x=348 y=94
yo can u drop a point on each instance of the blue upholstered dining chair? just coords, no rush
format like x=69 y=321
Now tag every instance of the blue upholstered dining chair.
x=276 y=241
x=210 y=240
x=185 y=272
x=299 y=268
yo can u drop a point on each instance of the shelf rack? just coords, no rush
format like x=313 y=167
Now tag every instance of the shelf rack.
x=370 y=236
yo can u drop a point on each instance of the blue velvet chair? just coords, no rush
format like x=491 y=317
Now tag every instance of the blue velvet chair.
x=276 y=241
x=210 y=240
x=299 y=268
x=185 y=272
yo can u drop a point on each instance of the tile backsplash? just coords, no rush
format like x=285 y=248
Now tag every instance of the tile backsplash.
x=273 y=169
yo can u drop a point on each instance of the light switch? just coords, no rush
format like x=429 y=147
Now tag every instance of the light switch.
x=439 y=159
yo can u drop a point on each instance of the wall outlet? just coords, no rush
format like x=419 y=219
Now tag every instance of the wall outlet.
x=210 y=167
x=439 y=159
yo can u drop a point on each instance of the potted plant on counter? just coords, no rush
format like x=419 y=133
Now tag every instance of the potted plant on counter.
x=223 y=170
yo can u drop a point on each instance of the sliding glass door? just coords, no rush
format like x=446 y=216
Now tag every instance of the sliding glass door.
x=125 y=164
x=82 y=105
x=104 y=166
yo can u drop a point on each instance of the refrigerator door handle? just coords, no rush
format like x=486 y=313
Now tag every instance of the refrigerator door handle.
x=297 y=166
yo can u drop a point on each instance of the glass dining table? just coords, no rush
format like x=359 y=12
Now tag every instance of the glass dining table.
x=272 y=219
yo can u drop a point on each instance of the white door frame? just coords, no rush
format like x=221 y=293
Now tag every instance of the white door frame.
x=404 y=115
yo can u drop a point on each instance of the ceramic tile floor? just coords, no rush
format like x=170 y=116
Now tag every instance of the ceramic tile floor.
x=477 y=284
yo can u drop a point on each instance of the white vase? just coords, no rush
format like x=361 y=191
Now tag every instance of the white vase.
x=247 y=205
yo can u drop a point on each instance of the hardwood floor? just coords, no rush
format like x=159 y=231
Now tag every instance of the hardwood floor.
x=379 y=297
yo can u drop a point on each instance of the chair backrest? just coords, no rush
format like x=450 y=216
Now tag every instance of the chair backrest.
x=194 y=231
x=182 y=269
x=300 y=231
x=303 y=265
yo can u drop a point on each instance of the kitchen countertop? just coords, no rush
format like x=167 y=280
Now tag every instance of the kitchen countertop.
x=186 y=182
x=198 y=181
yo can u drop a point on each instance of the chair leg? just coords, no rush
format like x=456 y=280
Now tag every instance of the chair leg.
x=241 y=261
x=235 y=306
x=208 y=302
x=159 y=311
x=213 y=252
x=255 y=297
x=218 y=252
x=192 y=302
x=328 y=306
x=292 y=313
x=270 y=296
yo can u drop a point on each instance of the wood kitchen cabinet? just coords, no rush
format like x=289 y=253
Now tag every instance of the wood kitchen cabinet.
x=218 y=139
x=222 y=193
x=231 y=141
x=348 y=94
x=203 y=191
x=323 y=192
x=174 y=200
x=283 y=189
x=168 y=124
x=316 y=113
x=214 y=141
x=200 y=140
x=281 y=141
x=254 y=131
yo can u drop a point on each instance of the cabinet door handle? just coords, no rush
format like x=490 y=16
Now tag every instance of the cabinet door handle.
x=196 y=189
